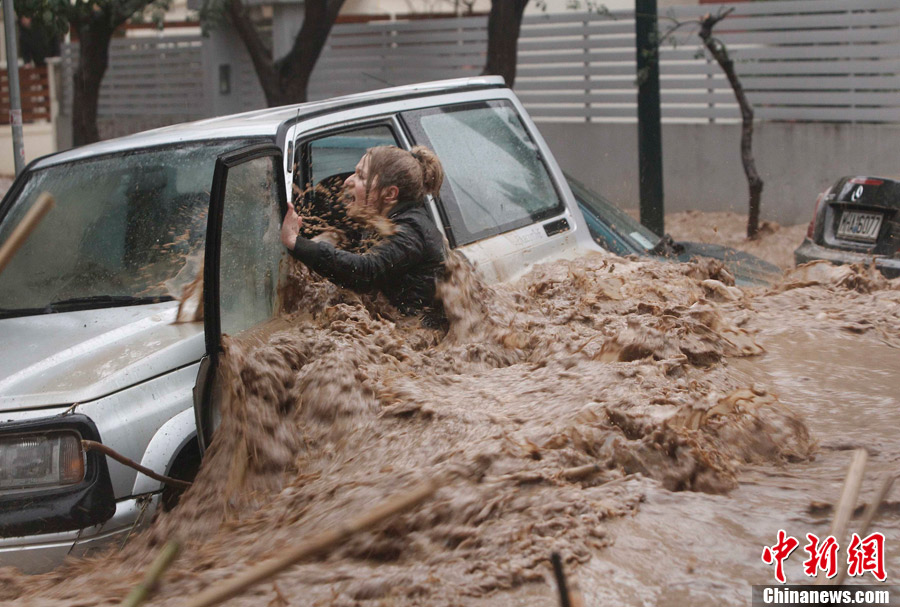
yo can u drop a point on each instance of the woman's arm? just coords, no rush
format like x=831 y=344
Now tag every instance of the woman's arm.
x=393 y=255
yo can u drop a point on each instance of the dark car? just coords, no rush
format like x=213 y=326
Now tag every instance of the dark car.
x=619 y=233
x=857 y=220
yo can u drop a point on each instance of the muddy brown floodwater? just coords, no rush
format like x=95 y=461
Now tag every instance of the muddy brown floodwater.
x=775 y=244
x=714 y=415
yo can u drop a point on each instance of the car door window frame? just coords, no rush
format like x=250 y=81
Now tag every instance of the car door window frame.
x=208 y=371
x=448 y=210
x=401 y=133
x=303 y=140
x=211 y=262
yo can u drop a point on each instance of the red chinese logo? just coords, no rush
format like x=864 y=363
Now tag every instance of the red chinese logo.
x=863 y=555
x=866 y=555
x=778 y=553
x=822 y=557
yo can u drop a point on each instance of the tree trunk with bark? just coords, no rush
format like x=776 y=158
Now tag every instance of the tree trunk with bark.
x=720 y=54
x=504 y=24
x=94 y=36
x=286 y=80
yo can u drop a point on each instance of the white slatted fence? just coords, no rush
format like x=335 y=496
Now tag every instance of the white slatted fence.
x=366 y=56
x=799 y=60
x=148 y=76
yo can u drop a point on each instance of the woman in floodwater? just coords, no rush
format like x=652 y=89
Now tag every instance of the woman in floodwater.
x=407 y=261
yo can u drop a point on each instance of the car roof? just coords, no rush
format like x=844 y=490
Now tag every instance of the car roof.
x=265 y=122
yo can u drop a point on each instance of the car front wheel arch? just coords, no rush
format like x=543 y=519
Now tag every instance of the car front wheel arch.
x=184 y=468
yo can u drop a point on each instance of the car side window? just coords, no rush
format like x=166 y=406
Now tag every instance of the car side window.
x=250 y=249
x=331 y=158
x=322 y=165
x=495 y=179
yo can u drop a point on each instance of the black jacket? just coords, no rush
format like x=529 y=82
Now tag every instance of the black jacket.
x=404 y=266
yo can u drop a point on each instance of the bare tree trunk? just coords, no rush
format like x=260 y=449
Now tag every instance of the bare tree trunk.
x=259 y=54
x=93 y=59
x=504 y=24
x=286 y=81
x=720 y=54
x=295 y=69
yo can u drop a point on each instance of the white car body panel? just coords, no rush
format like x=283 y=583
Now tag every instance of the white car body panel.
x=127 y=423
x=76 y=357
x=170 y=438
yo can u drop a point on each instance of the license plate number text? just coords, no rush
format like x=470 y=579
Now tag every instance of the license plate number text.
x=859 y=226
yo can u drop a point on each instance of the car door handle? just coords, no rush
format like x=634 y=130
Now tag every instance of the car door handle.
x=555 y=227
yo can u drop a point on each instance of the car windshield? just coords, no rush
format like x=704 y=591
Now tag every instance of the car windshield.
x=126 y=228
x=612 y=216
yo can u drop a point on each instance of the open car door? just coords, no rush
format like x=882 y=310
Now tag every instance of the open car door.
x=242 y=263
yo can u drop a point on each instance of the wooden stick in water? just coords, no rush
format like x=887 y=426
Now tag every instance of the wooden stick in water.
x=847 y=503
x=560 y=580
x=22 y=231
x=318 y=544
x=162 y=561
x=849 y=495
x=90 y=445
x=868 y=517
x=872 y=508
x=581 y=472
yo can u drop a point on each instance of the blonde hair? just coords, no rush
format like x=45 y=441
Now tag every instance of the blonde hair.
x=415 y=173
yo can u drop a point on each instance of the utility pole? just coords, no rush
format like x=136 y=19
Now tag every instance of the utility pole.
x=12 y=71
x=649 y=114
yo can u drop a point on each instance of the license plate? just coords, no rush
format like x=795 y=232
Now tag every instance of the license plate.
x=859 y=226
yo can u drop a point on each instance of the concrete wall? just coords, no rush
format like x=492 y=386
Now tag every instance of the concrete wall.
x=39 y=140
x=702 y=166
x=223 y=49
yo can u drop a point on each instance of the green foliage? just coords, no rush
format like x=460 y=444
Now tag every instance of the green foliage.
x=155 y=13
x=50 y=15
x=57 y=15
x=213 y=13
x=590 y=6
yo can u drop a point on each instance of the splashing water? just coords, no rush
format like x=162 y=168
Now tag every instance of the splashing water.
x=558 y=401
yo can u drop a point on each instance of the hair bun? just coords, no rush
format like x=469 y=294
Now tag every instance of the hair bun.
x=415 y=172
x=432 y=171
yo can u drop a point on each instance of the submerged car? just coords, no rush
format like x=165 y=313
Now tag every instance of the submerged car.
x=619 y=233
x=856 y=220
x=88 y=308
x=94 y=347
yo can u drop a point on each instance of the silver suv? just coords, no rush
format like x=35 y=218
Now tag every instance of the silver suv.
x=90 y=344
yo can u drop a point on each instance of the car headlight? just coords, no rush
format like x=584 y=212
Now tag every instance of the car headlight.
x=34 y=461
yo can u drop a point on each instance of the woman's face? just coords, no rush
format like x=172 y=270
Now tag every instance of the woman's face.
x=355 y=186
